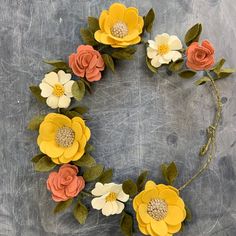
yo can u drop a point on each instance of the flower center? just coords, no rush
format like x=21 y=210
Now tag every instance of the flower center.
x=163 y=49
x=119 y=29
x=111 y=197
x=65 y=136
x=58 y=90
x=157 y=209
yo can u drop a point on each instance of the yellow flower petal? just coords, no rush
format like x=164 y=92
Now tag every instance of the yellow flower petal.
x=143 y=230
x=137 y=200
x=125 y=44
x=58 y=119
x=71 y=151
x=142 y=211
x=63 y=160
x=108 y=23
x=87 y=133
x=56 y=160
x=169 y=196
x=150 y=185
x=174 y=215
x=77 y=128
x=159 y=227
x=53 y=150
x=131 y=19
x=78 y=119
x=117 y=11
x=174 y=228
x=149 y=195
x=180 y=203
x=47 y=130
x=140 y=24
x=42 y=146
x=102 y=19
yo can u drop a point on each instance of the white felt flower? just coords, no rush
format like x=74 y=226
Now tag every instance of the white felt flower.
x=164 y=49
x=56 y=87
x=109 y=198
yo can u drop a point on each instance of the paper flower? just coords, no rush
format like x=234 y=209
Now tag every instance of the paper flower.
x=164 y=49
x=119 y=26
x=159 y=210
x=87 y=63
x=65 y=183
x=56 y=87
x=109 y=198
x=63 y=139
x=200 y=57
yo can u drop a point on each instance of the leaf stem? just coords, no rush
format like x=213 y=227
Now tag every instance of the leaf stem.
x=88 y=194
x=212 y=128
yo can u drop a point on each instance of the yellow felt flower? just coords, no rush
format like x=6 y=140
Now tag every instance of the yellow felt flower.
x=119 y=26
x=63 y=139
x=159 y=210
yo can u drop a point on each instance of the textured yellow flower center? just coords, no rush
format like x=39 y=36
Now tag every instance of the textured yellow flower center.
x=157 y=209
x=65 y=136
x=163 y=49
x=119 y=29
x=58 y=90
x=111 y=197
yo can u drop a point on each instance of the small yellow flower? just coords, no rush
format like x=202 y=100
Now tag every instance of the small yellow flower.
x=63 y=139
x=159 y=210
x=119 y=26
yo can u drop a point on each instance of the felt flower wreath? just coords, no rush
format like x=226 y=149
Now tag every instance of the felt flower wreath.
x=63 y=134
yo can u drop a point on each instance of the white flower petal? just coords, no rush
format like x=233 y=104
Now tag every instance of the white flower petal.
x=163 y=60
x=46 y=89
x=114 y=207
x=51 y=78
x=64 y=101
x=98 y=203
x=151 y=53
x=155 y=62
x=101 y=189
x=175 y=43
x=52 y=101
x=162 y=39
x=63 y=77
x=108 y=210
x=122 y=196
x=121 y=207
x=176 y=55
x=152 y=44
x=68 y=87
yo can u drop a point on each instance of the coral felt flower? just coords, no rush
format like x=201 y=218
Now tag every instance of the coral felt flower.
x=159 y=210
x=65 y=183
x=63 y=139
x=200 y=57
x=109 y=198
x=164 y=49
x=87 y=63
x=119 y=26
x=56 y=87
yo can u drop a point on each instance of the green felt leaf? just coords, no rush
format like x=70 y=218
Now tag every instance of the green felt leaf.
x=177 y=65
x=169 y=172
x=193 y=34
x=148 y=20
x=187 y=74
x=93 y=24
x=203 y=80
x=36 y=91
x=106 y=176
x=85 y=161
x=92 y=173
x=150 y=67
x=70 y=114
x=81 y=110
x=141 y=180
x=129 y=187
x=61 y=206
x=88 y=37
x=78 y=90
x=188 y=214
x=57 y=63
x=36 y=158
x=164 y=172
x=122 y=54
x=44 y=164
x=89 y=148
x=126 y=224
x=218 y=65
x=80 y=212
x=225 y=72
x=108 y=62
x=35 y=122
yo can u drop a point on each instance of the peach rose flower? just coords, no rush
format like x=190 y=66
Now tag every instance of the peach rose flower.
x=65 y=183
x=87 y=63
x=200 y=57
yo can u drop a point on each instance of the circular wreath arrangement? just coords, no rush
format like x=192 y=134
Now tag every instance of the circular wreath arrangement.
x=63 y=135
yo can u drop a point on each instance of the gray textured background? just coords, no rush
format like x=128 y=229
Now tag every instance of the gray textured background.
x=139 y=120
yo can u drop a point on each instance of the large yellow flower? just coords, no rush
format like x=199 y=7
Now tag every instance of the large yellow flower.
x=159 y=210
x=63 y=139
x=119 y=26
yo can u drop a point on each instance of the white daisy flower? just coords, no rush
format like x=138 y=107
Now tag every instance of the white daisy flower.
x=109 y=198
x=164 y=49
x=56 y=87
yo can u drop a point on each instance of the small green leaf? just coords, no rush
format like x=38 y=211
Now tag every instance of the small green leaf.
x=109 y=62
x=88 y=37
x=188 y=214
x=78 y=90
x=61 y=206
x=36 y=91
x=92 y=173
x=150 y=67
x=164 y=172
x=218 y=65
x=80 y=109
x=203 y=80
x=193 y=34
x=36 y=158
x=80 y=212
x=106 y=176
x=93 y=24
x=225 y=72
x=57 y=63
x=85 y=161
x=177 y=65
x=126 y=224
x=171 y=173
x=148 y=20
x=44 y=164
x=35 y=122
x=187 y=74
x=129 y=187
x=89 y=148
x=70 y=114
x=119 y=54
x=141 y=180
